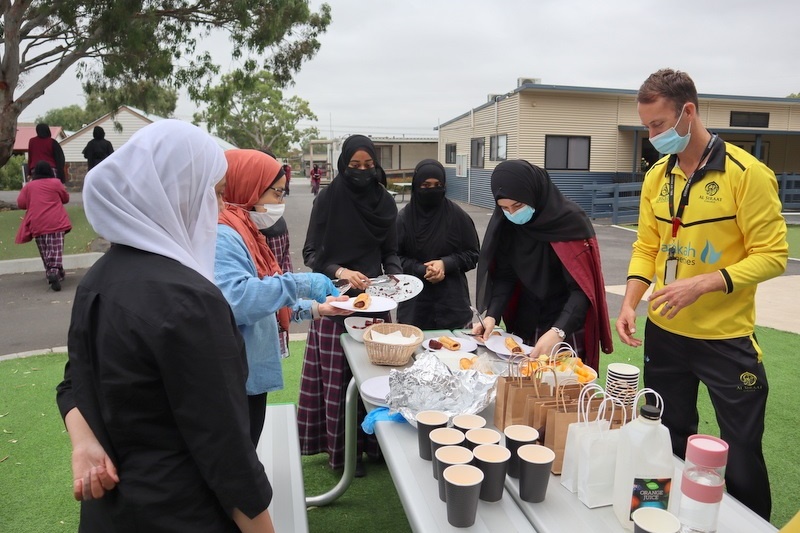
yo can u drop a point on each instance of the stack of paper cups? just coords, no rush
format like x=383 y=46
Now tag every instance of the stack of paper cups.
x=622 y=382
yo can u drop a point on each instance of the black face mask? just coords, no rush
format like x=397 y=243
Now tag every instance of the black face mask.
x=430 y=198
x=361 y=178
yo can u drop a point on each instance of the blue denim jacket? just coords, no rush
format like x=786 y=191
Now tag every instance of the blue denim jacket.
x=254 y=303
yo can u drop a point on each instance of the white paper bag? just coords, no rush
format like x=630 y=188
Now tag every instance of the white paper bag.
x=569 y=468
x=597 y=462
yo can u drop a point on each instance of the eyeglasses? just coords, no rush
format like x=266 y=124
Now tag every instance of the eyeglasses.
x=280 y=193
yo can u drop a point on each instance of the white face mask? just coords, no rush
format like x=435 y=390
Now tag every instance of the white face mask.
x=267 y=219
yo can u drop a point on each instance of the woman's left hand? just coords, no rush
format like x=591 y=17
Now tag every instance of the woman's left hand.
x=326 y=309
x=545 y=344
x=434 y=271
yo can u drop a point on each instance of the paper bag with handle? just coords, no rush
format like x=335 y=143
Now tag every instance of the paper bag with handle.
x=505 y=384
x=556 y=422
x=518 y=396
x=597 y=460
x=569 y=468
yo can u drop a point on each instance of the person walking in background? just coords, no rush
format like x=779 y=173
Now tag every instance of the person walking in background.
x=44 y=148
x=248 y=274
x=46 y=220
x=352 y=236
x=316 y=177
x=707 y=256
x=539 y=267
x=437 y=243
x=287 y=170
x=98 y=148
x=153 y=394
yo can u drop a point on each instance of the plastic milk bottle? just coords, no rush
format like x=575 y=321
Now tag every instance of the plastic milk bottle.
x=643 y=476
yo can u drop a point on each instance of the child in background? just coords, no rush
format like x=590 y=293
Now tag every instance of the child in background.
x=45 y=220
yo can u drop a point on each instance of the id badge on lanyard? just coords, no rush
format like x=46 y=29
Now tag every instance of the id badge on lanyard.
x=671 y=263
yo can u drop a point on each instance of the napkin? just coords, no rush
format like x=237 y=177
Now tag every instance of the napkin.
x=379 y=414
x=395 y=337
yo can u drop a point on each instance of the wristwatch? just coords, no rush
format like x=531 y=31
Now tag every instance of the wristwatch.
x=561 y=334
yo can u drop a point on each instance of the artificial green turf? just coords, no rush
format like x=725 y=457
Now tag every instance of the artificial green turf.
x=35 y=478
x=76 y=241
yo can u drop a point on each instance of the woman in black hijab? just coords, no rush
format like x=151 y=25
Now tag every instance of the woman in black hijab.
x=539 y=266
x=351 y=236
x=438 y=244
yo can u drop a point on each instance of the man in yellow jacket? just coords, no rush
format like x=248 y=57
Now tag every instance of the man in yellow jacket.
x=710 y=229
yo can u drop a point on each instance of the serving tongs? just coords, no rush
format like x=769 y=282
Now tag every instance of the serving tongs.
x=343 y=285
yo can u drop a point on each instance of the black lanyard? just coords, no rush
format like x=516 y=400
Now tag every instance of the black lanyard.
x=684 y=201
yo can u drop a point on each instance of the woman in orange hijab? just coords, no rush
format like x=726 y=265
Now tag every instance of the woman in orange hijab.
x=247 y=273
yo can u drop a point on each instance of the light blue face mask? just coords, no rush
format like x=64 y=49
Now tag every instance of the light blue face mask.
x=670 y=141
x=523 y=215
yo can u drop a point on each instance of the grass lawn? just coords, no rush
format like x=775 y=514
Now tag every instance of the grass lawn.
x=35 y=477
x=76 y=241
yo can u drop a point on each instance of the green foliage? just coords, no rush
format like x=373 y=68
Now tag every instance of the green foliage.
x=11 y=174
x=119 y=44
x=71 y=118
x=249 y=110
x=146 y=95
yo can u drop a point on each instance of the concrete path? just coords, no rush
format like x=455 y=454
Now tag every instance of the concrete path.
x=34 y=319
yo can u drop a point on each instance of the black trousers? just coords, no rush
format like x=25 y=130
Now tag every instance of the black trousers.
x=737 y=384
x=258 y=412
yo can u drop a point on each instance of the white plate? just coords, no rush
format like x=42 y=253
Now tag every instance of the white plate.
x=379 y=304
x=467 y=345
x=406 y=288
x=376 y=389
x=464 y=334
x=497 y=344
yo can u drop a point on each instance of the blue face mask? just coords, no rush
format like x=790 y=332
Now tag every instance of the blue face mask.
x=523 y=215
x=670 y=142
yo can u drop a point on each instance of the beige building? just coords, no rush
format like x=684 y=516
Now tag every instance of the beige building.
x=585 y=135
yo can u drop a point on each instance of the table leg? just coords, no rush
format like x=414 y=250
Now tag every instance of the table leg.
x=350 y=447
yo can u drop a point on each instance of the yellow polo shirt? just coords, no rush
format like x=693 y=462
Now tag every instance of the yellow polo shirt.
x=731 y=224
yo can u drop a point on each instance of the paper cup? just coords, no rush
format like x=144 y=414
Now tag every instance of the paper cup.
x=427 y=421
x=534 y=473
x=462 y=488
x=449 y=456
x=654 y=520
x=476 y=437
x=443 y=437
x=466 y=422
x=492 y=459
x=518 y=435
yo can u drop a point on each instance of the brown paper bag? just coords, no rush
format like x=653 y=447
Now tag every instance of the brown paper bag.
x=518 y=396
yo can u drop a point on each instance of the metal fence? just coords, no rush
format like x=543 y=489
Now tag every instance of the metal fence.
x=620 y=201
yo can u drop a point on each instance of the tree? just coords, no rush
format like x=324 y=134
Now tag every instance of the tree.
x=117 y=43
x=249 y=110
x=72 y=117
x=145 y=95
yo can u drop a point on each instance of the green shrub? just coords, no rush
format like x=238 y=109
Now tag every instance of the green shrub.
x=11 y=174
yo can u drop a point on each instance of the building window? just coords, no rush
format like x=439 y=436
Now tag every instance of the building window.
x=746 y=119
x=385 y=156
x=450 y=154
x=497 y=147
x=566 y=153
x=476 y=148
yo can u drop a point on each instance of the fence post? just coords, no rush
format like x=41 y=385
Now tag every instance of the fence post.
x=615 y=207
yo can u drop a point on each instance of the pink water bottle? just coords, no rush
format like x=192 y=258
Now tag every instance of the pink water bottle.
x=703 y=483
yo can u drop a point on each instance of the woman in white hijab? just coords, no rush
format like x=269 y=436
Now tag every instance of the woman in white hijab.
x=154 y=390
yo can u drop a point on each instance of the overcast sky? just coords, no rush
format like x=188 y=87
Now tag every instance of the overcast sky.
x=395 y=67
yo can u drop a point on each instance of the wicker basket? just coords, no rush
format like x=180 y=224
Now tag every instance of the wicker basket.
x=380 y=353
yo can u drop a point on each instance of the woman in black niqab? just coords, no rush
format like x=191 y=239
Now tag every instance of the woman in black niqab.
x=437 y=243
x=352 y=235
